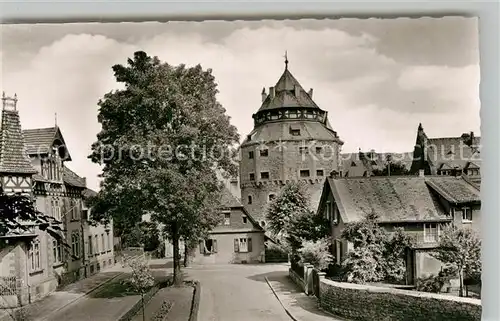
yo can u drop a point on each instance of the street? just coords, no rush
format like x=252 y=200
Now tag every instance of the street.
x=238 y=292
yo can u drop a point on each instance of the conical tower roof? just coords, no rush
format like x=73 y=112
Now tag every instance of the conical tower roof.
x=288 y=93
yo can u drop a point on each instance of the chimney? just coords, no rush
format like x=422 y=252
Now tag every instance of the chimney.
x=264 y=95
x=310 y=93
x=271 y=92
x=84 y=179
x=296 y=90
x=421 y=173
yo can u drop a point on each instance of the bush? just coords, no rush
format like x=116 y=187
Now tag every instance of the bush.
x=161 y=314
x=316 y=253
x=435 y=283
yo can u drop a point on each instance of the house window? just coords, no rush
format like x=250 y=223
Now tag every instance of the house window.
x=75 y=244
x=250 y=155
x=467 y=214
x=103 y=248
x=303 y=150
x=227 y=218
x=334 y=214
x=304 y=173
x=327 y=211
x=91 y=245
x=431 y=232
x=85 y=214
x=74 y=209
x=320 y=173
x=242 y=245
x=264 y=175
x=110 y=240
x=208 y=246
x=96 y=244
x=319 y=150
x=264 y=152
x=249 y=199
x=293 y=114
x=34 y=256
x=338 y=251
x=271 y=197
x=57 y=210
x=57 y=251
x=252 y=176
x=245 y=219
x=295 y=132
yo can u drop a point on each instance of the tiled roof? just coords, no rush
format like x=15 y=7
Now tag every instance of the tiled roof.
x=354 y=165
x=87 y=192
x=13 y=155
x=228 y=200
x=285 y=94
x=41 y=140
x=281 y=131
x=394 y=199
x=453 y=152
x=454 y=189
x=72 y=179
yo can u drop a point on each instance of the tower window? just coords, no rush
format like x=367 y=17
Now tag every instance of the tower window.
x=304 y=173
x=244 y=220
x=303 y=150
x=271 y=197
x=252 y=176
x=320 y=172
x=250 y=155
x=295 y=132
x=264 y=152
x=249 y=199
x=264 y=175
x=319 y=150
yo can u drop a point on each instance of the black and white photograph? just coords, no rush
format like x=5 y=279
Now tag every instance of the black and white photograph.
x=305 y=170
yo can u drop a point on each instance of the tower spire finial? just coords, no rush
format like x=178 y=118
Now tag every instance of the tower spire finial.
x=286 y=60
x=55 y=119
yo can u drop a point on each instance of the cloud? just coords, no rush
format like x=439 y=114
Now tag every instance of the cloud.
x=368 y=95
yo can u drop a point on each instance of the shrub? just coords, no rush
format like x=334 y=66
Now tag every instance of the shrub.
x=161 y=314
x=316 y=253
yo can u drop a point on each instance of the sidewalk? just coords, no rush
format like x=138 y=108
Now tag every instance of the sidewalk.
x=42 y=309
x=297 y=304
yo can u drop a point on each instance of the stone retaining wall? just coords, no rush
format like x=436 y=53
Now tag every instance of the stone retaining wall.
x=364 y=302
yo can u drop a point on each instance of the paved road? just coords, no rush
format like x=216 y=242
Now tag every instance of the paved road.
x=238 y=292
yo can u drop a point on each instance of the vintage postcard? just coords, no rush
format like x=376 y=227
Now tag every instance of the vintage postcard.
x=307 y=169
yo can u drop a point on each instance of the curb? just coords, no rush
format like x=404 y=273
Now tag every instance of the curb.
x=279 y=300
x=195 y=304
x=47 y=317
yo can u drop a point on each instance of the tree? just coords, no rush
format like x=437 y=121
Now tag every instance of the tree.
x=394 y=254
x=18 y=213
x=391 y=168
x=162 y=140
x=141 y=279
x=292 y=201
x=317 y=253
x=377 y=255
x=461 y=248
x=151 y=236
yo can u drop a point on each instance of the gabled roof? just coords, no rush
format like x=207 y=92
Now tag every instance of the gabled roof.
x=39 y=141
x=229 y=201
x=87 y=192
x=72 y=179
x=394 y=199
x=13 y=155
x=285 y=94
x=455 y=190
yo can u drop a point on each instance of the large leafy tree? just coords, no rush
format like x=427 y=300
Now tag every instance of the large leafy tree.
x=460 y=247
x=163 y=138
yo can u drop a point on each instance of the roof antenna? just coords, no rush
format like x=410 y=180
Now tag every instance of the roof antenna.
x=286 y=60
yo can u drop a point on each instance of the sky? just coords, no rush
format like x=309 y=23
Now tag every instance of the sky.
x=377 y=78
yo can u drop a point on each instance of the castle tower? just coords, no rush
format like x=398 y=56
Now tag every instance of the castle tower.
x=292 y=140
